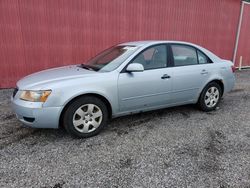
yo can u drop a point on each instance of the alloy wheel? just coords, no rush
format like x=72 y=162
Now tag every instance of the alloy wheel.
x=212 y=97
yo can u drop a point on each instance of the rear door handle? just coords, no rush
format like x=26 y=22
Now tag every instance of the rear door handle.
x=204 y=72
x=165 y=76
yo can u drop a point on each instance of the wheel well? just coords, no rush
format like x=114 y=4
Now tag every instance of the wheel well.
x=106 y=102
x=220 y=83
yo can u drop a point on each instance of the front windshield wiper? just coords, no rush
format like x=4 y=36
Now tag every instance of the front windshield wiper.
x=88 y=67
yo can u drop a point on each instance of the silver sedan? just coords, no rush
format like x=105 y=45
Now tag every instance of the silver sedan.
x=127 y=78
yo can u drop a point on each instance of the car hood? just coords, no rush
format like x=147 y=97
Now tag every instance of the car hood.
x=52 y=75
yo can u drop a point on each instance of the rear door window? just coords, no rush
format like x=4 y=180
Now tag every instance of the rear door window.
x=184 y=55
x=202 y=58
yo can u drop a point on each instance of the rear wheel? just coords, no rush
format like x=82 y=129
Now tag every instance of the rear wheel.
x=85 y=117
x=210 y=97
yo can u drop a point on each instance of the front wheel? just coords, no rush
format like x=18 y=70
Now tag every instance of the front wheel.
x=210 y=97
x=85 y=117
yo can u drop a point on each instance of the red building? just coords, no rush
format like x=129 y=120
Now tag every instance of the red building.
x=36 y=35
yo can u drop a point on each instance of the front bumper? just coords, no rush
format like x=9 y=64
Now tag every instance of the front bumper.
x=33 y=114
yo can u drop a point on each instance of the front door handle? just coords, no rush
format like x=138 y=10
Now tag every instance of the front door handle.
x=165 y=76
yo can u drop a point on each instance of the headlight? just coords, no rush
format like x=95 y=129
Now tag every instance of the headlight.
x=35 y=96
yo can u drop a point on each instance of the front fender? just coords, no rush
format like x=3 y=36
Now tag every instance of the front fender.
x=89 y=92
x=107 y=88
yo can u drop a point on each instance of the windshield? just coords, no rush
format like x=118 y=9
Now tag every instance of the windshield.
x=111 y=58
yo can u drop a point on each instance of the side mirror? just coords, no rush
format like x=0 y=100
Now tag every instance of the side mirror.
x=135 y=67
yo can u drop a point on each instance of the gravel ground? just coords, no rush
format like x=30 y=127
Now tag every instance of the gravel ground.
x=176 y=147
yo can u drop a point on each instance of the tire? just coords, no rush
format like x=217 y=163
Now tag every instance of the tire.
x=210 y=97
x=85 y=117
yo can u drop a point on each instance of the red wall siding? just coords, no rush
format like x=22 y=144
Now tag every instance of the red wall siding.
x=39 y=34
x=244 y=39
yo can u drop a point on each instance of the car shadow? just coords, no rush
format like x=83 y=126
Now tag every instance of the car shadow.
x=121 y=126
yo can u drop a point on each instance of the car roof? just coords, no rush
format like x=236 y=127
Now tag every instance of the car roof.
x=151 y=42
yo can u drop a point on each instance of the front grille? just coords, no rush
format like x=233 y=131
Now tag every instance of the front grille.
x=14 y=92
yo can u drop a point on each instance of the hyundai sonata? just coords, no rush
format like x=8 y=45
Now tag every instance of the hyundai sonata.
x=127 y=78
